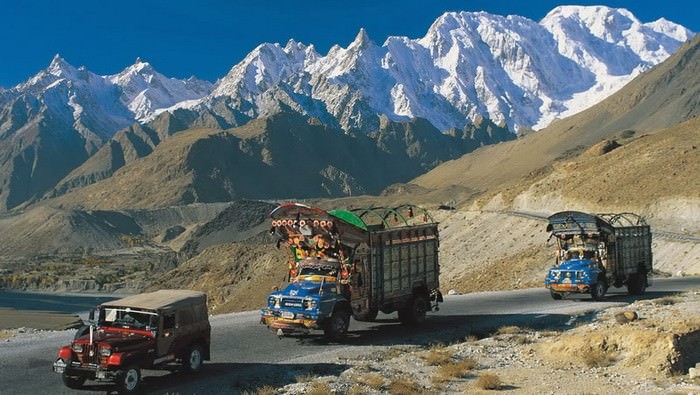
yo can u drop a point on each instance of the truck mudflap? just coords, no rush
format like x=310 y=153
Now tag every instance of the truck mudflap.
x=435 y=299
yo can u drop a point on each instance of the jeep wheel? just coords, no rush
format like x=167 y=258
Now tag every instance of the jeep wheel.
x=129 y=380
x=75 y=382
x=337 y=325
x=195 y=357
x=555 y=295
x=414 y=313
x=598 y=290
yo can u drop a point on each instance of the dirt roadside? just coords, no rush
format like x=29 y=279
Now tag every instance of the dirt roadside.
x=647 y=347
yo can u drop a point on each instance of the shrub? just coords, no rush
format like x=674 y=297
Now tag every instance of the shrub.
x=438 y=355
x=266 y=390
x=319 y=388
x=453 y=370
x=509 y=330
x=372 y=380
x=305 y=378
x=599 y=358
x=402 y=386
x=489 y=381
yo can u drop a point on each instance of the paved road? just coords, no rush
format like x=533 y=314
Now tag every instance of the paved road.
x=247 y=356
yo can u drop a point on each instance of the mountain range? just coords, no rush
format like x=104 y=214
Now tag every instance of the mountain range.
x=472 y=75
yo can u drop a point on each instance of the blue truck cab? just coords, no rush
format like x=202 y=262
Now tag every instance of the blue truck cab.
x=594 y=252
x=314 y=299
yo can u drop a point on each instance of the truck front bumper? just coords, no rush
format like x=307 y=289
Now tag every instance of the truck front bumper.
x=274 y=321
x=556 y=287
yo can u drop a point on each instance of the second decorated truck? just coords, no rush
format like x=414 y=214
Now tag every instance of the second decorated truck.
x=597 y=251
x=353 y=263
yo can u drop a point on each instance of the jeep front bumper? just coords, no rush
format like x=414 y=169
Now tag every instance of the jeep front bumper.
x=93 y=372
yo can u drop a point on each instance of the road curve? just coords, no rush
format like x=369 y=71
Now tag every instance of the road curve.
x=247 y=356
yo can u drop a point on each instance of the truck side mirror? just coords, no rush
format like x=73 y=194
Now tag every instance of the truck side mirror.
x=91 y=317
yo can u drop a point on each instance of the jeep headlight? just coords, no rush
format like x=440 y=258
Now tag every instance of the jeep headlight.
x=105 y=351
x=77 y=347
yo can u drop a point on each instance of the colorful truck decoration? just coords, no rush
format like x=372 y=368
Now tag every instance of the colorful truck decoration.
x=596 y=251
x=345 y=263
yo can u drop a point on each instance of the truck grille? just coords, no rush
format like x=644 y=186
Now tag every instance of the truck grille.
x=295 y=303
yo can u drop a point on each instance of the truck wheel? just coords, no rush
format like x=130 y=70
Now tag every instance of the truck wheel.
x=129 y=380
x=414 y=313
x=598 y=290
x=75 y=382
x=368 y=316
x=337 y=325
x=193 y=361
x=636 y=284
x=555 y=295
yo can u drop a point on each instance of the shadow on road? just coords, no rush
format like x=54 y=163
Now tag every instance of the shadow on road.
x=224 y=378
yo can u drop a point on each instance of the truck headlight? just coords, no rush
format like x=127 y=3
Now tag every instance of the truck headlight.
x=77 y=347
x=105 y=352
x=309 y=304
x=274 y=301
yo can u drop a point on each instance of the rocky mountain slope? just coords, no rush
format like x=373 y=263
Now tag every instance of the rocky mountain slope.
x=296 y=157
x=661 y=98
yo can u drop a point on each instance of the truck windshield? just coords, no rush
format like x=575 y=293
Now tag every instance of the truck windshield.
x=128 y=318
x=318 y=271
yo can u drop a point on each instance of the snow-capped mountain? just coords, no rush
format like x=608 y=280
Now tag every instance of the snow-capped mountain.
x=469 y=64
x=145 y=90
x=57 y=119
x=97 y=106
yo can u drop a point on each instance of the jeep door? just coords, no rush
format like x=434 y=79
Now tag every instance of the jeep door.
x=167 y=333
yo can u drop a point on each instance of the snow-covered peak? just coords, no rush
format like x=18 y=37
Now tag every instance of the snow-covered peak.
x=468 y=65
x=60 y=68
x=670 y=29
x=361 y=41
x=144 y=90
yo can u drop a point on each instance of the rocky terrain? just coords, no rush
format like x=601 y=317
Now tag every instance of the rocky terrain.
x=652 y=354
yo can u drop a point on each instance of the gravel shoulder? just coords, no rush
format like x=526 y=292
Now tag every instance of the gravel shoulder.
x=646 y=347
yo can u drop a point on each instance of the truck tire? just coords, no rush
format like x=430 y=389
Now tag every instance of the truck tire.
x=637 y=283
x=367 y=316
x=194 y=359
x=414 y=313
x=555 y=295
x=337 y=326
x=129 y=380
x=598 y=290
x=74 y=382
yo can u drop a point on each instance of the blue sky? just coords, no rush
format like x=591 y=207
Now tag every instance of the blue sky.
x=206 y=38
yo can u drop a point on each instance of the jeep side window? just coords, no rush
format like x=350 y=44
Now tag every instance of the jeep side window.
x=169 y=321
x=186 y=316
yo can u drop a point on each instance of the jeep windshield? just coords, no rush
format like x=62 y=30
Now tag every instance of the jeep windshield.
x=126 y=317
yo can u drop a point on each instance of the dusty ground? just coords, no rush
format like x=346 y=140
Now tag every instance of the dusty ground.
x=650 y=355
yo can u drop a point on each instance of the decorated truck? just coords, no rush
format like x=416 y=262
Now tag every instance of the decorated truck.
x=155 y=330
x=358 y=262
x=594 y=252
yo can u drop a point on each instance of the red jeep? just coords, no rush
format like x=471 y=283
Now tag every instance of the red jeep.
x=147 y=331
